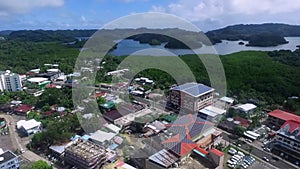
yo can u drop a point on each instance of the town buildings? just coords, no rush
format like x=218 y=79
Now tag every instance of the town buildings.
x=277 y=118
x=287 y=141
x=191 y=96
x=9 y=160
x=190 y=135
x=85 y=155
x=10 y=81
x=29 y=127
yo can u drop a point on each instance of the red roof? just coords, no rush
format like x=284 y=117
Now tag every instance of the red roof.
x=187 y=147
x=243 y=122
x=51 y=86
x=217 y=152
x=187 y=128
x=293 y=125
x=48 y=112
x=284 y=115
x=175 y=138
x=24 y=108
x=201 y=150
x=95 y=96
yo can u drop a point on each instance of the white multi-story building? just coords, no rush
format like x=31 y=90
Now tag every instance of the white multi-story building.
x=9 y=160
x=10 y=81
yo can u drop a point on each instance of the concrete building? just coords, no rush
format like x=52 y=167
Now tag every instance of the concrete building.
x=247 y=108
x=287 y=141
x=9 y=160
x=212 y=113
x=29 y=127
x=10 y=81
x=100 y=137
x=38 y=82
x=190 y=135
x=217 y=157
x=277 y=118
x=85 y=155
x=191 y=96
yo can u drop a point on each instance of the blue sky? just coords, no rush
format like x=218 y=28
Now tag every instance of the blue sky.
x=86 y=14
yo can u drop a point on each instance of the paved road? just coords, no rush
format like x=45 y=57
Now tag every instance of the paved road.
x=16 y=141
x=260 y=153
x=13 y=135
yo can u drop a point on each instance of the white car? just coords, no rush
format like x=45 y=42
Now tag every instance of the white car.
x=231 y=166
x=232 y=152
x=241 y=154
x=266 y=159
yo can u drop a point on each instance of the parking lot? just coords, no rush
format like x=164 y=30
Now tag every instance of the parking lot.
x=5 y=141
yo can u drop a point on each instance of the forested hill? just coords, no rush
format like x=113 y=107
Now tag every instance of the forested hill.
x=268 y=34
x=49 y=35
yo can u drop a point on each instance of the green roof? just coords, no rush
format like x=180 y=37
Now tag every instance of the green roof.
x=108 y=105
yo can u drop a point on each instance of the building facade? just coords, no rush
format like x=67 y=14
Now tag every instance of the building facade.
x=277 y=118
x=10 y=81
x=287 y=141
x=191 y=96
x=85 y=155
x=9 y=160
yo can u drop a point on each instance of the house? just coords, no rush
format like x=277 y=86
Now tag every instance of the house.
x=100 y=137
x=247 y=108
x=9 y=160
x=38 y=82
x=278 y=117
x=230 y=123
x=29 y=127
x=191 y=96
x=23 y=109
x=211 y=113
x=112 y=128
x=227 y=101
x=52 y=75
x=163 y=159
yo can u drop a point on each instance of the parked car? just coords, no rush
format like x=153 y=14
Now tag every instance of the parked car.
x=22 y=150
x=266 y=159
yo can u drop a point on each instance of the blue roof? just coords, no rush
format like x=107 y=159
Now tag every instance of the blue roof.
x=194 y=89
x=85 y=137
x=113 y=146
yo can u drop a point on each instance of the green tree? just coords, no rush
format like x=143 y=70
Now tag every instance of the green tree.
x=101 y=100
x=239 y=130
x=40 y=165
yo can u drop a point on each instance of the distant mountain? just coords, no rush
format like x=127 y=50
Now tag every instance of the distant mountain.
x=5 y=33
x=268 y=34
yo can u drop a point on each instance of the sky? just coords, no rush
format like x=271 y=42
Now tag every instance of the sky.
x=93 y=14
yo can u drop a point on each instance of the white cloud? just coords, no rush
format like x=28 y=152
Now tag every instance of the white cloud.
x=265 y=6
x=157 y=9
x=197 y=10
x=8 y=7
x=213 y=9
x=83 y=19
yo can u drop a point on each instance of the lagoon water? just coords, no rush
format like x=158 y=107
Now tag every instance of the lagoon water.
x=128 y=47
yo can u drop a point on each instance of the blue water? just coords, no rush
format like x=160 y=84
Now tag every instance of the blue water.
x=128 y=47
